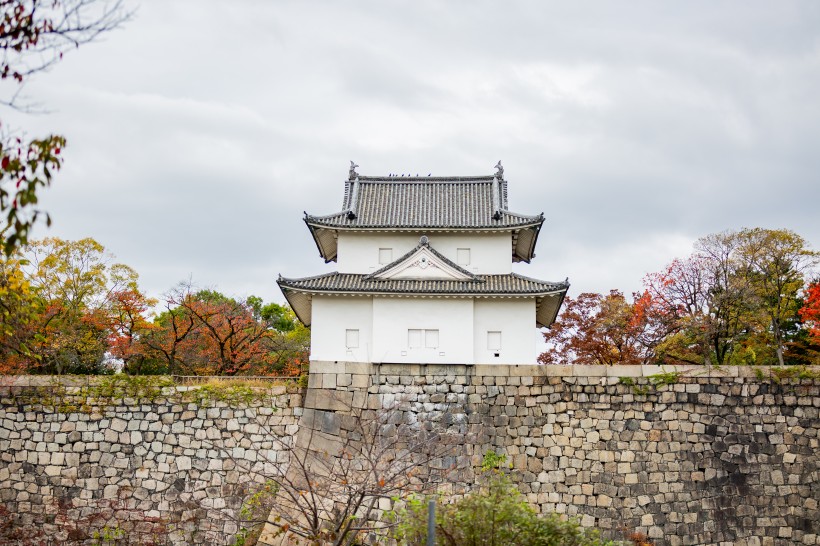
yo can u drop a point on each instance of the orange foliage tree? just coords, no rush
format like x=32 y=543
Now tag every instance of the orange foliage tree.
x=810 y=312
x=207 y=333
x=598 y=329
x=58 y=298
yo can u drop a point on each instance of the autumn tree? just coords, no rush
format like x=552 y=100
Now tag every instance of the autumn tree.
x=204 y=332
x=34 y=35
x=735 y=299
x=17 y=311
x=228 y=339
x=289 y=342
x=70 y=298
x=165 y=339
x=810 y=311
x=125 y=318
x=705 y=302
x=598 y=329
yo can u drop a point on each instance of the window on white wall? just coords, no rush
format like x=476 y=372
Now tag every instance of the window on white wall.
x=385 y=256
x=352 y=339
x=494 y=341
x=418 y=338
x=463 y=256
x=431 y=339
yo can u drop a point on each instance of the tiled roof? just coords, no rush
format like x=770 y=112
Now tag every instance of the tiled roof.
x=510 y=284
x=426 y=203
x=548 y=295
x=478 y=202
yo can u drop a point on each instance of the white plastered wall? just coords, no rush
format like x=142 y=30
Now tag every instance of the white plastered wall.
x=490 y=253
x=393 y=317
x=331 y=317
x=462 y=324
x=515 y=319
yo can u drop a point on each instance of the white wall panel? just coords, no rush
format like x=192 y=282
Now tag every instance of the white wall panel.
x=490 y=253
x=515 y=319
x=332 y=317
x=393 y=318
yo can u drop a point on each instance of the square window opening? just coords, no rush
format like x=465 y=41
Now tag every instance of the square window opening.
x=385 y=256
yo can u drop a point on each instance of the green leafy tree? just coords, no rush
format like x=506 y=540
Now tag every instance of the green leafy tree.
x=776 y=261
x=735 y=300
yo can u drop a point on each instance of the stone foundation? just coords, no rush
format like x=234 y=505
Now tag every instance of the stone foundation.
x=686 y=456
x=77 y=470
x=722 y=456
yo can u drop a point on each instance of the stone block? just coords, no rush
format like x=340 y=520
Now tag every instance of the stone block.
x=320 y=442
x=491 y=370
x=589 y=371
x=624 y=371
x=651 y=369
x=315 y=380
x=555 y=371
x=323 y=366
x=399 y=369
x=524 y=370
x=361 y=368
x=328 y=400
x=329 y=380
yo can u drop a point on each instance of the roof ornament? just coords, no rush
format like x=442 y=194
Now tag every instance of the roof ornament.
x=424 y=241
x=499 y=170
x=352 y=175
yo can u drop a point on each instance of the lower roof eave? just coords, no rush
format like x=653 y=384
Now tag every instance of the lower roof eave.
x=302 y=306
x=314 y=292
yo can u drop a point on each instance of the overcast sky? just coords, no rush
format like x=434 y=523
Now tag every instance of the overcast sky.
x=199 y=132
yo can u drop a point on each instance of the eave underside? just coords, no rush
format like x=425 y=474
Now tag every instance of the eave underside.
x=523 y=238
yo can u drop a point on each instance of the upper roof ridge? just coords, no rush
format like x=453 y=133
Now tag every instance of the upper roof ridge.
x=428 y=178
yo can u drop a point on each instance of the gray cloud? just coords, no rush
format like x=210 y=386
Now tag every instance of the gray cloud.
x=198 y=136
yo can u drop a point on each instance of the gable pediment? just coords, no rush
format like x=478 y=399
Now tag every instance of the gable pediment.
x=423 y=263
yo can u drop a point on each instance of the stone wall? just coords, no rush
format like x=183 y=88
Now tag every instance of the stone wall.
x=695 y=456
x=722 y=456
x=75 y=468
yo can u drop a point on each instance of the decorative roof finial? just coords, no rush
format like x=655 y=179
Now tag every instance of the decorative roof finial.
x=499 y=170
x=424 y=241
x=352 y=175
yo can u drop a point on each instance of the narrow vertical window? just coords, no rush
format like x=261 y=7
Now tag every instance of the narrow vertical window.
x=463 y=256
x=494 y=341
x=431 y=339
x=352 y=339
x=414 y=338
x=385 y=256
